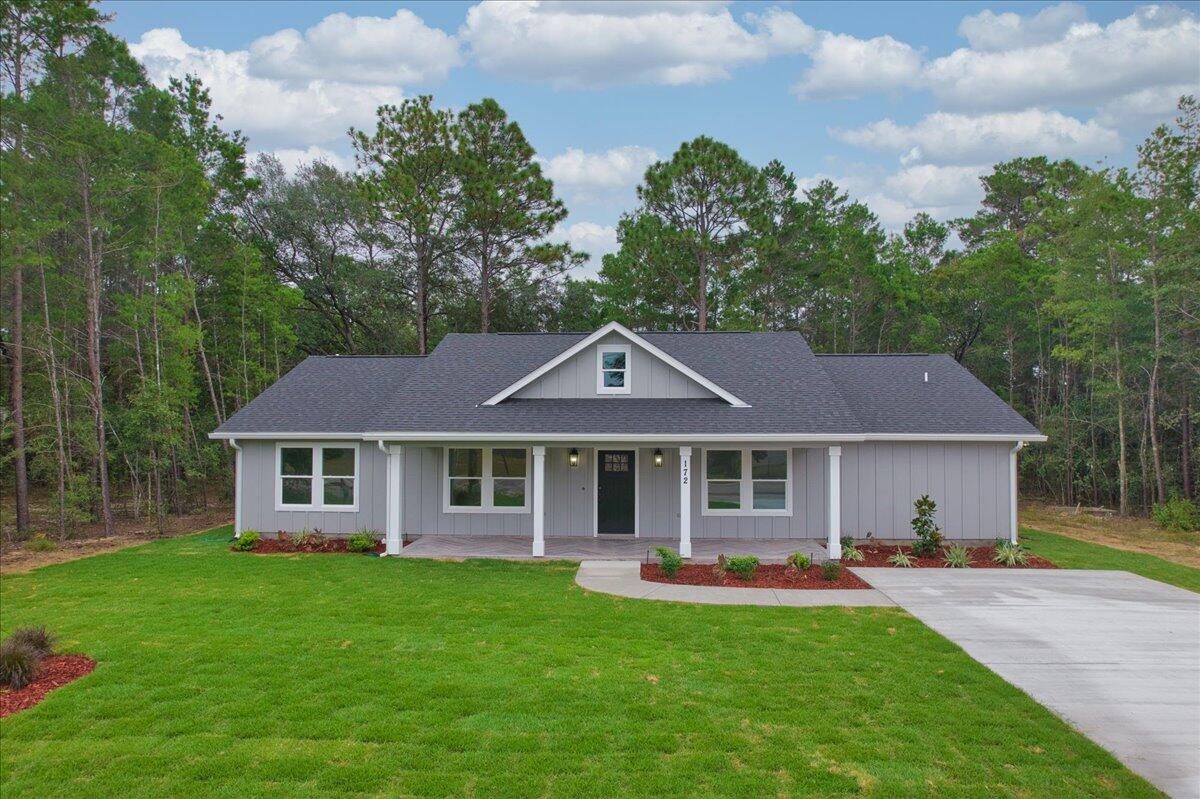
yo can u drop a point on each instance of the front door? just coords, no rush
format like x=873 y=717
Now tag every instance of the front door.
x=615 y=490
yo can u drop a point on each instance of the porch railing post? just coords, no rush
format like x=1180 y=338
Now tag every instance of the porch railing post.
x=539 y=502
x=835 y=503
x=685 y=502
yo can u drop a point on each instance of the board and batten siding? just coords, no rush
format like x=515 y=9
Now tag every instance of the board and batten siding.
x=649 y=378
x=968 y=481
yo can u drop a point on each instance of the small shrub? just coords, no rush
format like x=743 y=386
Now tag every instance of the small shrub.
x=799 y=561
x=957 y=557
x=39 y=639
x=309 y=539
x=902 y=559
x=743 y=566
x=18 y=664
x=831 y=570
x=720 y=567
x=929 y=535
x=1177 y=514
x=851 y=553
x=247 y=541
x=668 y=561
x=40 y=542
x=1010 y=554
x=362 y=541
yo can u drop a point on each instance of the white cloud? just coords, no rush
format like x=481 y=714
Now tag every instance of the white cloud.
x=618 y=168
x=945 y=138
x=927 y=186
x=400 y=49
x=581 y=45
x=292 y=158
x=596 y=240
x=273 y=113
x=844 y=66
x=1090 y=64
x=990 y=31
x=1143 y=110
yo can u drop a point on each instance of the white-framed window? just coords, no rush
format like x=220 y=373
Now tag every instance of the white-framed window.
x=747 y=482
x=486 y=480
x=612 y=369
x=310 y=476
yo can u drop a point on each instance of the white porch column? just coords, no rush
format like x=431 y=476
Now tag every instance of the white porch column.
x=685 y=502
x=237 y=488
x=1012 y=490
x=395 y=498
x=835 y=503
x=539 y=502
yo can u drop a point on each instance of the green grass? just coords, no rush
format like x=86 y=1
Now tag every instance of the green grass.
x=235 y=675
x=1071 y=553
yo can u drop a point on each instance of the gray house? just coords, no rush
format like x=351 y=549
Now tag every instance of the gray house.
x=673 y=436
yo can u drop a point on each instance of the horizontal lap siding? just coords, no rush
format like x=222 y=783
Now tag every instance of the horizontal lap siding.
x=968 y=481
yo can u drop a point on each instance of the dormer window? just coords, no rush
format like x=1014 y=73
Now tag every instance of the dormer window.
x=612 y=369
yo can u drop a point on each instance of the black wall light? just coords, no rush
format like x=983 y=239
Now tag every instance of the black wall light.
x=658 y=457
x=573 y=457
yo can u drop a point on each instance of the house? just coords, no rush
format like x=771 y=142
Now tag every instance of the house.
x=673 y=436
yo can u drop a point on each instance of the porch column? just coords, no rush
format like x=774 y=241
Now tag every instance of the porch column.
x=1012 y=490
x=685 y=502
x=539 y=502
x=395 y=498
x=835 y=503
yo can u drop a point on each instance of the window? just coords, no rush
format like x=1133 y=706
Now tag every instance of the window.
x=747 y=482
x=316 y=477
x=612 y=369
x=480 y=479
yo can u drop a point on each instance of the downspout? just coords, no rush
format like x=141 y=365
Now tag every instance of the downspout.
x=1012 y=482
x=237 y=487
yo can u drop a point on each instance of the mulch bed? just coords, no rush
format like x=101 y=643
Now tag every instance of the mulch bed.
x=54 y=672
x=274 y=546
x=981 y=558
x=770 y=575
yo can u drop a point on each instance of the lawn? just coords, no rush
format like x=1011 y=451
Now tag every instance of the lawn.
x=1070 y=553
x=237 y=675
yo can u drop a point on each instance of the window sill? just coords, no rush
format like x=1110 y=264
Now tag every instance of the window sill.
x=465 y=509
x=318 y=508
x=740 y=512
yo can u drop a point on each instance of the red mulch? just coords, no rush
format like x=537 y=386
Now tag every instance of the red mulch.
x=770 y=575
x=54 y=672
x=981 y=558
x=285 y=543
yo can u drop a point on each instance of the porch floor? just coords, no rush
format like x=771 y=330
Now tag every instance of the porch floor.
x=512 y=547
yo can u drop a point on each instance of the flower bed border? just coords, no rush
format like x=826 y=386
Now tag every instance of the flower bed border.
x=769 y=575
x=876 y=555
x=54 y=671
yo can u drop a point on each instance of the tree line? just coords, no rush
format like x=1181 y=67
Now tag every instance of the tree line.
x=156 y=278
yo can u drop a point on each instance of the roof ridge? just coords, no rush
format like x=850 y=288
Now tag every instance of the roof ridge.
x=874 y=354
x=368 y=356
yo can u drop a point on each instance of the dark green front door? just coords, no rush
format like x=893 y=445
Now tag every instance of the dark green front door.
x=615 y=490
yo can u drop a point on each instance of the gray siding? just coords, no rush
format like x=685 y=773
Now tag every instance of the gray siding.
x=649 y=378
x=969 y=482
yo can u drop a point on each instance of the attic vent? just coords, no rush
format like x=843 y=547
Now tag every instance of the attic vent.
x=927 y=377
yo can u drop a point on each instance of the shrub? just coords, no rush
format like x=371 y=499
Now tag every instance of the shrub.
x=799 y=561
x=309 y=539
x=362 y=541
x=929 y=535
x=1177 y=514
x=40 y=542
x=18 y=664
x=831 y=570
x=668 y=561
x=39 y=639
x=248 y=541
x=1010 y=554
x=957 y=557
x=743 y=566
x=902 y=559
x=851 y=552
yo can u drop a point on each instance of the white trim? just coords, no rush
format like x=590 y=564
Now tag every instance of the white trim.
x=825 y=438
x=487 y=484
x=317 y=486
x=394 y=527
x=834 y=545
x=237 y=487
x=587 y=341
x=745 y=484
x=685 y=502
x=637 y=491
x=539 y=501
x=626 y=385
x=1013 y=527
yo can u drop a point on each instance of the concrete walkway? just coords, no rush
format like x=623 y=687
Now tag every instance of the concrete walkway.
x=515 y=547
x=1116 y=655
x=623 y=578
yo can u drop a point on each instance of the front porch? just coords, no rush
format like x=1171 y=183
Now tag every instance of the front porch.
x=514 y=547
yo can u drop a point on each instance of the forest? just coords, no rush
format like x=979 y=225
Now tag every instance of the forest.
x=156 y=278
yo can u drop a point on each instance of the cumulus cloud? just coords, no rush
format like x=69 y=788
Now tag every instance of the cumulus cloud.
x=596 y=240
x=943 y=192
x=618 y=168
x=292 y=158
x=400 y=49
x=991 y=32
x=946 y=138
x=273 y=113
x=844 y=66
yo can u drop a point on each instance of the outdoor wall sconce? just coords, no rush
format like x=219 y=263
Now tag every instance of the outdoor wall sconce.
x=658 y=458
x=573 y=458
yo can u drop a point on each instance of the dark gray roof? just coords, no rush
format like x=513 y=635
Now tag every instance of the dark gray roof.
x=325 y=394
x=888 y=394
x=789 y=389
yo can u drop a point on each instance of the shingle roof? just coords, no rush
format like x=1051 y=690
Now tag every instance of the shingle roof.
x=789 y=389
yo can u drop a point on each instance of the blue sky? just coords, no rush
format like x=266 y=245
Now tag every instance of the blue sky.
x=903 y=104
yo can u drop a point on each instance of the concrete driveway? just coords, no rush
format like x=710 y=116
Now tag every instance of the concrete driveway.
x=1116 y=655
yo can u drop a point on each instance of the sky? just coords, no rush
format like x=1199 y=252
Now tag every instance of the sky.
x=903 y=105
